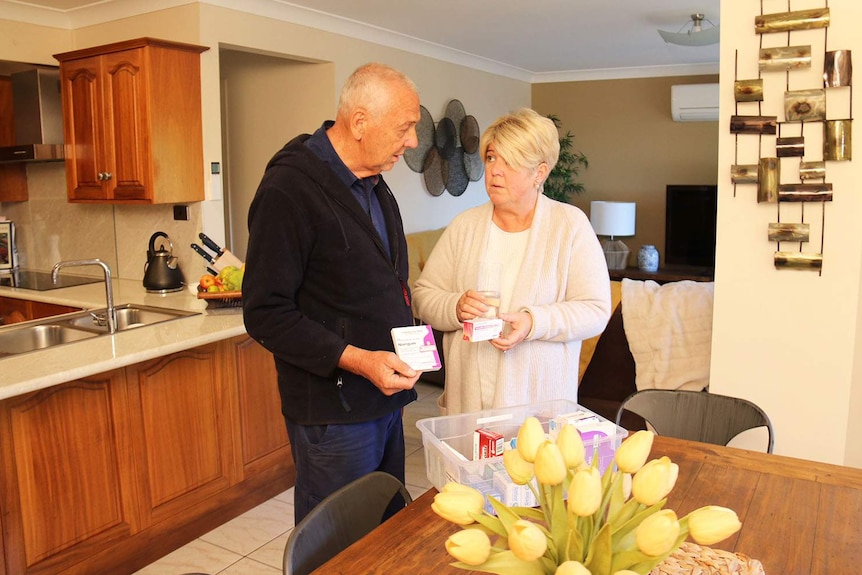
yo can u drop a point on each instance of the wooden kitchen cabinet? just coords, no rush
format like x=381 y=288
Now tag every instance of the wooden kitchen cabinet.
x=132 y=122
x=109 y=473
x=263 y=432
x=67 y=473
x=13 y=177
x=13 y=310
x=183 y=429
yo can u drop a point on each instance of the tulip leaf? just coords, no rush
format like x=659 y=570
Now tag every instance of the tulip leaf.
x=575 y=550
x=624 y=513
x=492 y=524
x=529 y=512
x=600 y=555
x=505 y=563
x=558 y=522
x=628 y=559
x=629 y=526
x=505 y=514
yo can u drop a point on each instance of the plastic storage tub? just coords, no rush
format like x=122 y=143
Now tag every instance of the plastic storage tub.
x=448 y=443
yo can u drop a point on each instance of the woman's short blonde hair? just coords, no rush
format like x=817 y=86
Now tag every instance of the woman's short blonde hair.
x=523 y=139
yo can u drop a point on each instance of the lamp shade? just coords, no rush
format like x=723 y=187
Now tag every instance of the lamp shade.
x=613 y=218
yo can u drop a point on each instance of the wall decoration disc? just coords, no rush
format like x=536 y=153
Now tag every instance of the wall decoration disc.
x=432 y=170
x=456 y=178
x=468 y=134
x=474 y=166
x=415 y=157
x=447 y=138
x=455 y=112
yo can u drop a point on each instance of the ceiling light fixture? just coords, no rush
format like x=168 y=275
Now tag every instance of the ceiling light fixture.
x=696 y=35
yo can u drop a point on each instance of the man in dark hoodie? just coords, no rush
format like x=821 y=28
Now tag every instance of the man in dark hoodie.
x=326 y=280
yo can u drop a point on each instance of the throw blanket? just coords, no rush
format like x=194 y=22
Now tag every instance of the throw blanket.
x=669 y=330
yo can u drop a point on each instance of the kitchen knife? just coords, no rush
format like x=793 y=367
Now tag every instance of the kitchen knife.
x=211 y=244
x=203 y=253
x=223 y=257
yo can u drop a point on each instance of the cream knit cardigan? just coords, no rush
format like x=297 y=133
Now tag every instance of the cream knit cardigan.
x=563 y=283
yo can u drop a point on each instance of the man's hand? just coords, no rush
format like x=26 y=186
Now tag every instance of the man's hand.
x=382 y=368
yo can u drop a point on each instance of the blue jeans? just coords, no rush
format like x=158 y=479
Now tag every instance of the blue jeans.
x=328 y=457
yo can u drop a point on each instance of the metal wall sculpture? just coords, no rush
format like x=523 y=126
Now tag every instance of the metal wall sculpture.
x=796 y=173
x=448 y=153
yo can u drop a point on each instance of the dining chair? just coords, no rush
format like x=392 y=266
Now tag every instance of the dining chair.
x=341 y=519
x=696 y=415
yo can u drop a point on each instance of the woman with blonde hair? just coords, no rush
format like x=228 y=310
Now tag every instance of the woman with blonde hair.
x=553 y=281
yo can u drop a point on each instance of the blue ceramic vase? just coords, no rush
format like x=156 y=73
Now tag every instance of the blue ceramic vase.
x=648 y=258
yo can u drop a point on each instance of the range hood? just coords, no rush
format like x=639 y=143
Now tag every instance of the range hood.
x=38 y=117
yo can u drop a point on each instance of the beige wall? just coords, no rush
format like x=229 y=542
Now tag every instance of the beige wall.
x=789 y=340
x=484 y=95
x=634 y=148
x=264 y=100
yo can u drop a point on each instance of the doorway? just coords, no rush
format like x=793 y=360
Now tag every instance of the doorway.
x=266 y=100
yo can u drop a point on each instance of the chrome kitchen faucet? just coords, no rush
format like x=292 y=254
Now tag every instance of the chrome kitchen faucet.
x=109 y=290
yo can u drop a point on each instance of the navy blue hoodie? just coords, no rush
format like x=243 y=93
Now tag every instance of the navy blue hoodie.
x=318 y=278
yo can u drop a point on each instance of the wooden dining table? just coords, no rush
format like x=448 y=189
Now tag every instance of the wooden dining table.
x=798 y=517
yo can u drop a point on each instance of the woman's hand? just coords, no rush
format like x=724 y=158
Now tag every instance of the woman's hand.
x=470 y=306
x=520 y=323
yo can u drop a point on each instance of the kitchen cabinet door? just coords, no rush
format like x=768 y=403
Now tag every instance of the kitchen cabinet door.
x=132 y=122
x=183 y=428
x=264 y=435
x=13 y=177
x=66 y=474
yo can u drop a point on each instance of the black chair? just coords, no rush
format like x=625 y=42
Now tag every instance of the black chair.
x=342 y=519
x=696 y=415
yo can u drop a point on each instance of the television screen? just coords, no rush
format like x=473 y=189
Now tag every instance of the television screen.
x=690 y=213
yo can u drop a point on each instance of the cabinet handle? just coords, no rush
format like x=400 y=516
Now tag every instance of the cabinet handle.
x=104 y=176
x=108 y=176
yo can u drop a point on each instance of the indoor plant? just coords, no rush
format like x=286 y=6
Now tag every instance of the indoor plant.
x=561 y=182
x=611 y=524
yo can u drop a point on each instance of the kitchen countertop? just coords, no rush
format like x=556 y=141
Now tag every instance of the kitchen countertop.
x=37 y=370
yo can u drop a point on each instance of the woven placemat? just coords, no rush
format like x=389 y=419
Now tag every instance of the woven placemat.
x=693 y=559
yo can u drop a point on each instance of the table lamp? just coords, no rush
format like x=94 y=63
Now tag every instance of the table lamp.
x=613 y=219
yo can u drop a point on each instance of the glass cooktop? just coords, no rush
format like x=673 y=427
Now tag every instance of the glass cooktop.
x=41 y=281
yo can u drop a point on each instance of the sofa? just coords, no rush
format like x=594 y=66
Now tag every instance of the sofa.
x=608 y=368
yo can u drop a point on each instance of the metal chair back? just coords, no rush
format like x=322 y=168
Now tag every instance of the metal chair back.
x=341 y=519
x=696 y=415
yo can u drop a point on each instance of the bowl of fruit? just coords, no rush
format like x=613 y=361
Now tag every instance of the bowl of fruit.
x=224 y=288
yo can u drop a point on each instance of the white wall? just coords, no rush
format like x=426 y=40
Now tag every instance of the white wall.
x=484 y=95
x=788 y=340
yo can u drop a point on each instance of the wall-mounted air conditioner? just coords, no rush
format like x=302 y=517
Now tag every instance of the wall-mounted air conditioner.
x=694 y=102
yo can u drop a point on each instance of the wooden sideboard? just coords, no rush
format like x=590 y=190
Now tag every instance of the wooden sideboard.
x=665 y=274
x=108 y=473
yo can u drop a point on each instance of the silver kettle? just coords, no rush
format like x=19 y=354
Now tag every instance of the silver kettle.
x=162 y=273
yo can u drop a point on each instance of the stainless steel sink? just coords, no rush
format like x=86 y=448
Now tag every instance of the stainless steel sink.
x=24 y=338
x=71 y=327
x=129 y=316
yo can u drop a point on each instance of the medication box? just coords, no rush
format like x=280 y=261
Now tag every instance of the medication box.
x=482 y=329
x=448 y=443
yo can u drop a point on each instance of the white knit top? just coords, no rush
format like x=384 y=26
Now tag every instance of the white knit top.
x=563 y=283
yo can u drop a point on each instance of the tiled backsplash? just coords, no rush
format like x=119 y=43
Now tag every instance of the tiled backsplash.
x=50 y=229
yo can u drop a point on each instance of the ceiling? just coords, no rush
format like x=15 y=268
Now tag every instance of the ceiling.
x=537 y=40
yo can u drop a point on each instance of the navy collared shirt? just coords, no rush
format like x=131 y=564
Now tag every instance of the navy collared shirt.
x=362 y=188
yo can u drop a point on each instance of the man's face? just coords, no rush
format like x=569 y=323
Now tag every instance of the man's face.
x=391 y=131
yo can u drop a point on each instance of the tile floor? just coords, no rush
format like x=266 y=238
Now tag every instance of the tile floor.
x=253 y=543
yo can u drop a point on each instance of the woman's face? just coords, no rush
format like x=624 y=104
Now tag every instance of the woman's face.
x=508 y=186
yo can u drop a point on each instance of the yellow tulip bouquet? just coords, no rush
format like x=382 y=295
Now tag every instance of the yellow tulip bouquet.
x=611 y=524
